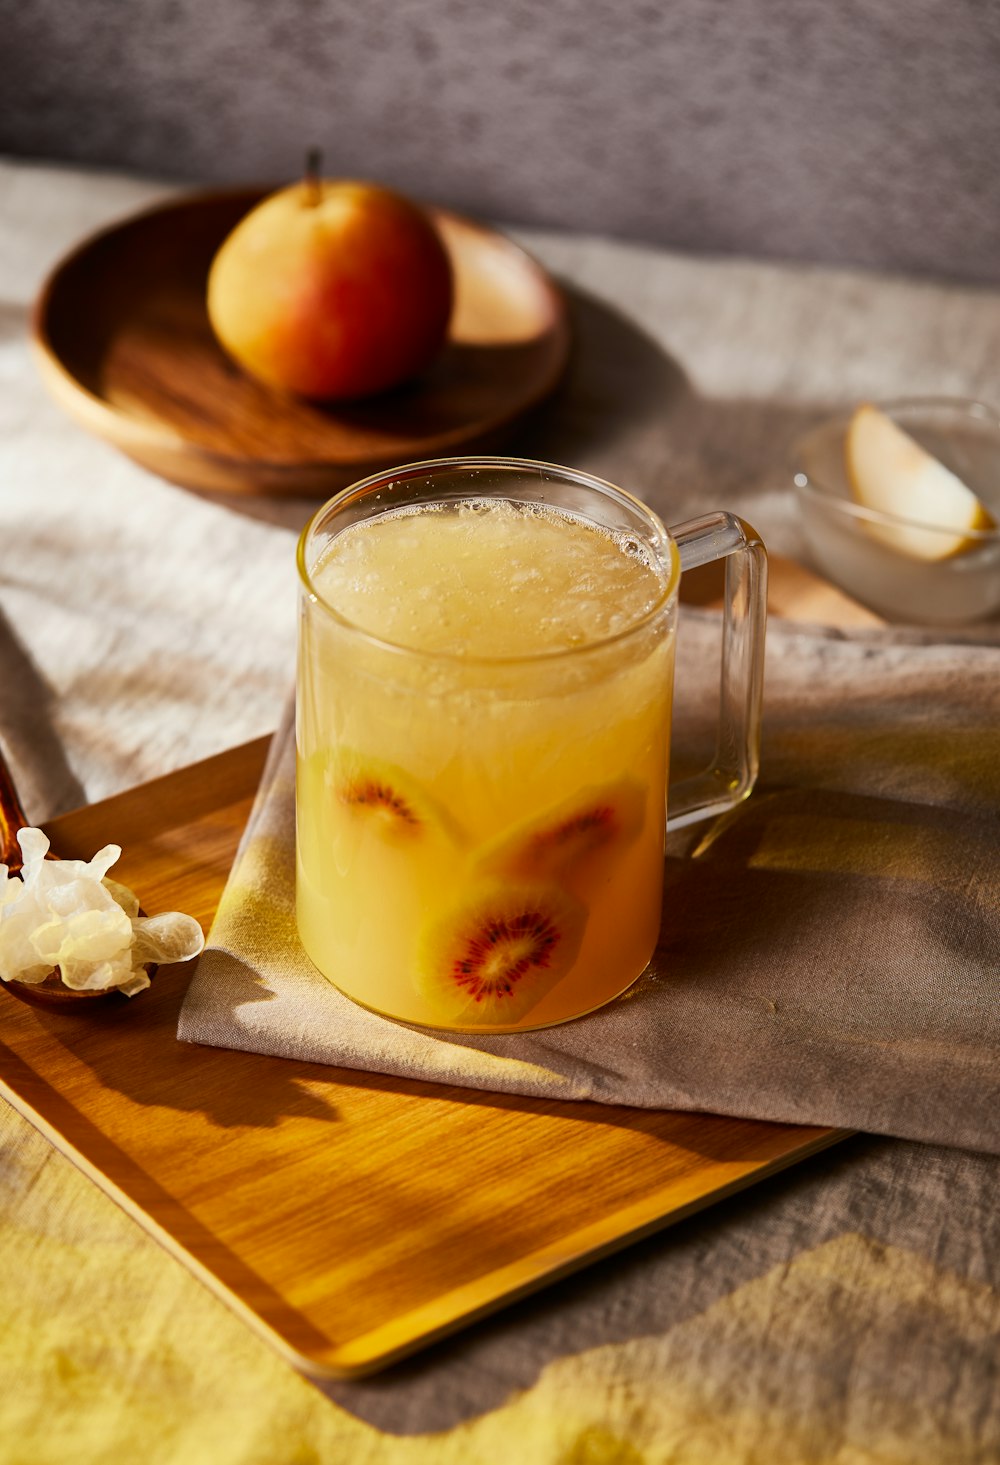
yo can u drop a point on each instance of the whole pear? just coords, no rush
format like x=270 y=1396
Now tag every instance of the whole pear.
x=332 y=289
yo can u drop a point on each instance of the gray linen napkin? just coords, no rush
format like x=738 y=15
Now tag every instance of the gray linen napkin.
x=830 y=952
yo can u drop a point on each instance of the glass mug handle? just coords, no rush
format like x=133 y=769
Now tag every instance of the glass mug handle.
x=733 y=771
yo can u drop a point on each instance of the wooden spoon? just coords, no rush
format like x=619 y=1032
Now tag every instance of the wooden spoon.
x=52 y=992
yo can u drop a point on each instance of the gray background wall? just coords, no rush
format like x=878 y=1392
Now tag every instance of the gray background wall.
x=845 y=131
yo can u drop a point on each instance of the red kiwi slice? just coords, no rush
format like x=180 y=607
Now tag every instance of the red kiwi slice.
x=498 y=953
x=385 y=797
x=601 y=820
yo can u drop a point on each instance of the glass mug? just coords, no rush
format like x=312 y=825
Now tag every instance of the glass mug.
x=485 y=677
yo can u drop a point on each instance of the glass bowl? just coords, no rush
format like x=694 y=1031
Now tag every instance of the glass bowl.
x=855 y=546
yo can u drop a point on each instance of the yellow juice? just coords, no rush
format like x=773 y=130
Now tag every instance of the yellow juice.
x=483 y=721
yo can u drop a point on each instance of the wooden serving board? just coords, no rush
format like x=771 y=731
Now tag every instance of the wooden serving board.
x=124 y=344
x=348 y=1217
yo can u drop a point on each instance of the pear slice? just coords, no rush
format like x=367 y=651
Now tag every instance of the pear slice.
x=493 y=958
x=576 y=841
x=889 y=472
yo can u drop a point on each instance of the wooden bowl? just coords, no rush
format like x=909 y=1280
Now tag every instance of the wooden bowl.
x=125 y=346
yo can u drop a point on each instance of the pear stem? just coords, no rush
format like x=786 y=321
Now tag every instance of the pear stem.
x=314 y=161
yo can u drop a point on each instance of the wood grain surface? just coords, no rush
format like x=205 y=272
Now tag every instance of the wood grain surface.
x=348 y=1217
x=793 y=592
x=125 y=346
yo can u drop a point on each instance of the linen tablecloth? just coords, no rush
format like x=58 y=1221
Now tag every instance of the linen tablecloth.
x=847 y=1311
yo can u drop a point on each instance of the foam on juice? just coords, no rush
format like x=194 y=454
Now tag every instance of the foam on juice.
x=487 y=578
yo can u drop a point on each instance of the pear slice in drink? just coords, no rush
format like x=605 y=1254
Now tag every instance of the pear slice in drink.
x=889 y=472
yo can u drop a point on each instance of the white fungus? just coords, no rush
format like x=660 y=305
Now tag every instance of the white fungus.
x=66 y=915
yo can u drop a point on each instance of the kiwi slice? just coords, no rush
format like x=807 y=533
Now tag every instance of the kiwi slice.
x=596 y=822
x=496 y=954
x=385 y=798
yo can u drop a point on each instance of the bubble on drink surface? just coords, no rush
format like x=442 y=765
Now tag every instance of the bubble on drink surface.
x=67 y=916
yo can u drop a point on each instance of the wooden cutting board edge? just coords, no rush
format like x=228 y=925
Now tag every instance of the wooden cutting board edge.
x=162 y=1235
x=485 y=1295
x=404 y=1335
